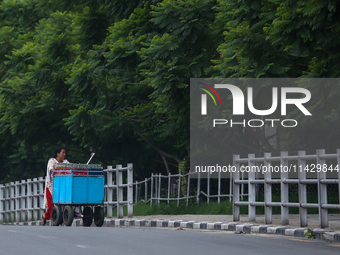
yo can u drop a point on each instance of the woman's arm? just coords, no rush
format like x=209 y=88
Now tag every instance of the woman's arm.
x=50 y=168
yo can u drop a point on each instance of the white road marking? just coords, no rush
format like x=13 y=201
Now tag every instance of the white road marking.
x=83 y=246
x=48 y=237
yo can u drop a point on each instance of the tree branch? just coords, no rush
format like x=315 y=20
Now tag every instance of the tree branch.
x=149 y=141
x=166 y=164
x=264 y=141
x=170 y=164
x=328 y=52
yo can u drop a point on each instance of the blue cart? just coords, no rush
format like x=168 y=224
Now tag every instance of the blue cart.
x=78 y=185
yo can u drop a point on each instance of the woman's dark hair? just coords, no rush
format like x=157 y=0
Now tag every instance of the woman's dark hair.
x=58 y=150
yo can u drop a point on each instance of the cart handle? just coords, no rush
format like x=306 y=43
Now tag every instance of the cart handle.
x=92 y=154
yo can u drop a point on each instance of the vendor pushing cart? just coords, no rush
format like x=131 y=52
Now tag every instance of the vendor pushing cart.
x=78 y=185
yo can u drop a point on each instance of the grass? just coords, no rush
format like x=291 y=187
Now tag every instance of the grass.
x=214 y=208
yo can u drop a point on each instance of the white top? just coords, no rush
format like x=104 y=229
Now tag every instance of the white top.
x=50 y=167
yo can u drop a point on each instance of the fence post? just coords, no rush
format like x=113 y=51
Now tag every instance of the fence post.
x=219 y=188
x=156 y=188
x=146 y=190
x=231 y=186
x=236 y=189
x=151 y=194
x=119 y=178
x=23 y=200
x=1 y=203
x=208 y=188
x=179 y=188
x=35 y=199
x=338 y=161
x=302 y=190
x=29 y=200
x=169 y=187
x=267 y=191
x=188 y=189
x=322 y=191
x=41 y=194
x=159 y=187
x=12 y=201
x=251 y=189
x=130 y=190
x=198 y=187
x=136 y=192
x=7 y=208
x=242 y=186
x=284 y=189
x=109 y=192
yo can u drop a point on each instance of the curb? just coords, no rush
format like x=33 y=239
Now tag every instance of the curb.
x=238 y=228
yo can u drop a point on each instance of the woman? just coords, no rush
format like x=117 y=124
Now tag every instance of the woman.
x=58 y=157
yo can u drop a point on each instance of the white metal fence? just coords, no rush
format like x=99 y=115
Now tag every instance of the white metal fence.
x=319 y=169
x=111 y=188
x=177 y=187
x=23 y=201
x=20 y=201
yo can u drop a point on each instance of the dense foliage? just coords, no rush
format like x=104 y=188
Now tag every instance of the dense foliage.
x=113 y=76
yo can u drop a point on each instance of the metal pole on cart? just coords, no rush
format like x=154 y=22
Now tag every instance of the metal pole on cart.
x=92 y=154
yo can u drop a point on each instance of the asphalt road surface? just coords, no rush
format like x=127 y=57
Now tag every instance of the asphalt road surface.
x=127 y=241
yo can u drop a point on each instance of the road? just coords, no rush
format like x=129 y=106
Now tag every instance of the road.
x=21 y=240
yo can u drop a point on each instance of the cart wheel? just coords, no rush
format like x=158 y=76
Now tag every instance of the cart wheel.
x=68 y=215
x=98 y=216
x=56 y=216
x=87 y=216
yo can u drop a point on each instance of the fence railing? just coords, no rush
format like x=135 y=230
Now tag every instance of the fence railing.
x=305 y=170
x=177 y=187
x=20 y=201
x=110 y=189
x=23 y=201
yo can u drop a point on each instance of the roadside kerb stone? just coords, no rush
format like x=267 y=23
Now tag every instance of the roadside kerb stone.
x=171 y=224
x=130 y=223
x=272 y=230
x=245 y=228
x=210 y=226
x=282 y=230
x=204 y=225
x=289 y=232
x=177 y=223
x=190 y=224
x=197 y=225
x=117 y=223
x=76 y=223
x=218 y=225
x=262 y=229
x=319 y=233
x=162 y=223
x=183 y=224
x=224 y=226
x=332 y=236
x=232 y=226
x=140 y=223
x=300 y=232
